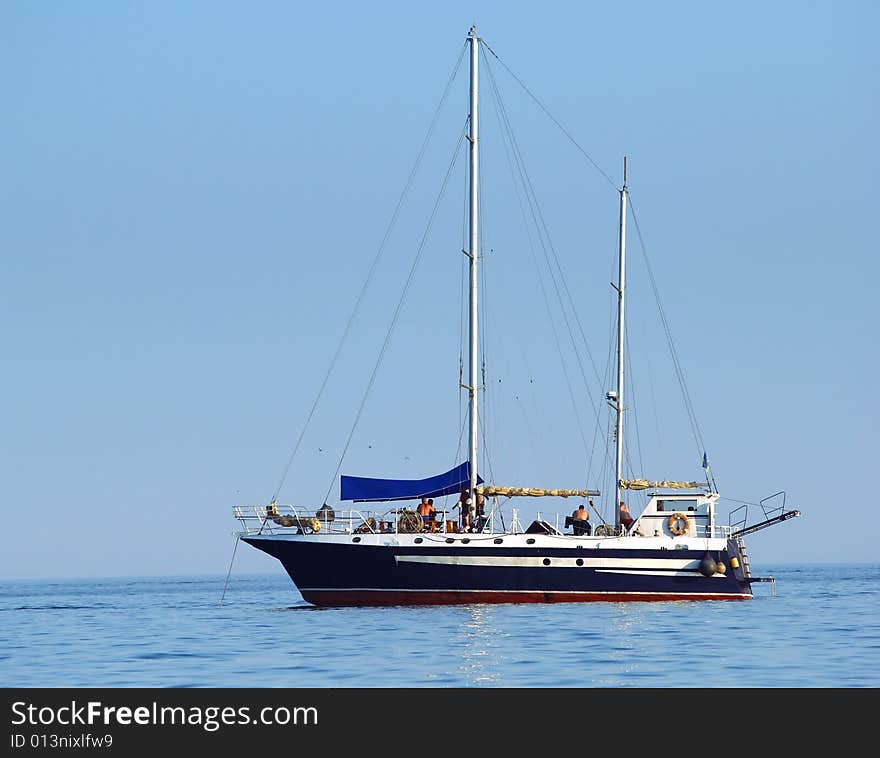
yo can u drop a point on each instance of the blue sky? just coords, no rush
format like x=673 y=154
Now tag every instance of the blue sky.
x=193 y=193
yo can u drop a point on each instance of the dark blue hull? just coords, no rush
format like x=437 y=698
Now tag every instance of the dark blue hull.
x=335 y=573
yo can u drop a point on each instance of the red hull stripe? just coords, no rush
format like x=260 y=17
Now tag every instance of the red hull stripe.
x=454 y=597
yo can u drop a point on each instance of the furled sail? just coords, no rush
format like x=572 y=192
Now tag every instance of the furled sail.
x=643 y=484
x=490 y=490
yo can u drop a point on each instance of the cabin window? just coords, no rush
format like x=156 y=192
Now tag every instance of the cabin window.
x=465 y=540
x=417 y=540
x=676 y=505
x=546 y=561
x=498 y=540
x=580 y=561
x=449 y=539
x=531 y=540
x=355 y=539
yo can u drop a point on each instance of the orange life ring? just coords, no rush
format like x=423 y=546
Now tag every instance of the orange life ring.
x=678 y=523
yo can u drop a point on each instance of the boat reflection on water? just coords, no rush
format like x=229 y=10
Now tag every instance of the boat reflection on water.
x=480 y=662
x=601 y=651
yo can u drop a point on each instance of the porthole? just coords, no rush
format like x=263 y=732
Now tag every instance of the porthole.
x=498 y=540
x=580 y=561
x=449 y=539
x=417 y=540
x=531 y=540
x=546 y=561
x=355 y=539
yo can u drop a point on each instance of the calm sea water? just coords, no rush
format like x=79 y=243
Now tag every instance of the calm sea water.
x=819 y=630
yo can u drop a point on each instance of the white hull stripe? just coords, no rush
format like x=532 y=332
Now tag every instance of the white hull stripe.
x=626 y=564
x=659 y=572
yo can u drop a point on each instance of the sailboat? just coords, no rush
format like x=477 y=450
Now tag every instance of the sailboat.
x=382 y=550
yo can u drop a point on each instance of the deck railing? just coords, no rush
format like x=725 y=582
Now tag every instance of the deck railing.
x=287 y=519
x=284 y=519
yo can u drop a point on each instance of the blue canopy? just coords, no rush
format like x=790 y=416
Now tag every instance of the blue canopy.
x=363 y=489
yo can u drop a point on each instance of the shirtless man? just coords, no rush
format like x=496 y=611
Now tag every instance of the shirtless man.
x=580 y=514
x=427 y=512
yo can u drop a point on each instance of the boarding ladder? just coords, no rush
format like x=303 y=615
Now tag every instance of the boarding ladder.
x=747 y=567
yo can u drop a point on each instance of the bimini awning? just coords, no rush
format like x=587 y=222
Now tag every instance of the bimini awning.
x=362 y=489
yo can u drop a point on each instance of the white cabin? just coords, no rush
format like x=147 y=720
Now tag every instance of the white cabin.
x=678 y=515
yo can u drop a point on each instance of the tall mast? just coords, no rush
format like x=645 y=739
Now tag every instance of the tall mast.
x=473 y=255
x=621 y=289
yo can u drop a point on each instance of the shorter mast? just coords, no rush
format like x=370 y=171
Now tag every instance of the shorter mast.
x=621 y=289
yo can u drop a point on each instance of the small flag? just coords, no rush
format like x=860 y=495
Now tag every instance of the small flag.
x=705 y=461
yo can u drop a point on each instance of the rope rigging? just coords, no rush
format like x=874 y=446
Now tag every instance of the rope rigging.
x=551 y=116
x=373 y=266
x=538 y=237
x=512 y=149
x=679 y=372
x=530 y=194
x=633 y=405
x=399 y=307
x=695 y=427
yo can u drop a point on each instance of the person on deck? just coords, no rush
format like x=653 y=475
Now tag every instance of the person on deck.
x=626 y=518
x=479 y=513
x=580 y=521
x=467 y=509
x=427 y=512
